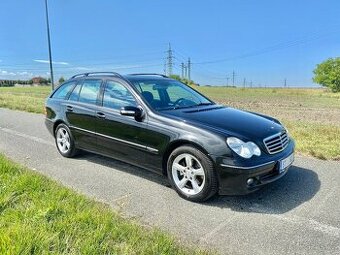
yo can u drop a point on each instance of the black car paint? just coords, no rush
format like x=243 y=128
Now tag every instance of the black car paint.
x=147 y=143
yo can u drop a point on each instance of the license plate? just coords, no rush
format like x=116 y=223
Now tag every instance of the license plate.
x=284 y=163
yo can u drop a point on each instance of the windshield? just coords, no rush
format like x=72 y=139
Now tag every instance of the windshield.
x=169 y=94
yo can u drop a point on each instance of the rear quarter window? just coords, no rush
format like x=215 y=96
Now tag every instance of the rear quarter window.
x=74 y=96
x=63 y=90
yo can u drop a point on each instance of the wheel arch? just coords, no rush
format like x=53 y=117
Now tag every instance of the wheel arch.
x=174 y=145
x=56 y=124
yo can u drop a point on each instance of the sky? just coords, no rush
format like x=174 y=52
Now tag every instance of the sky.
x=263 y=42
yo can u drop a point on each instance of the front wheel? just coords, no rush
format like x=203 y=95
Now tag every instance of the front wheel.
x=191 y=173
x=64 y=141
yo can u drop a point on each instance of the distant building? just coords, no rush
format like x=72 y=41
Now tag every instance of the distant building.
x=38 y=80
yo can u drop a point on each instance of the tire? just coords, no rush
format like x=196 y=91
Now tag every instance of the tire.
x=191 y=173
x=65 y=141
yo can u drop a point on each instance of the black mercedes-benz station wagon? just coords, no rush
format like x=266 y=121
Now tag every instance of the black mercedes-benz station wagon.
x=163 y=125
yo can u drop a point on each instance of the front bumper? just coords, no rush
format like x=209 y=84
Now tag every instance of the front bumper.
x=233 y=175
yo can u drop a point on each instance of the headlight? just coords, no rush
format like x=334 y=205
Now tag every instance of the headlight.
x=245 y=150
x=285 y=128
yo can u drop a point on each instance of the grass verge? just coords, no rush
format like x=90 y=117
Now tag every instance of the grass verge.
x=39 y=216
x=318 y=140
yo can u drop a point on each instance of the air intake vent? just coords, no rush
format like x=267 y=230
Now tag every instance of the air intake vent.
x=277 y=142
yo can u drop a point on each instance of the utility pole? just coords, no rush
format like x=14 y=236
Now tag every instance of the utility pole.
x=182 y=67
x=228 y=81
x=285 y=83
x=170 y=60
x=234 y=78
x=49 y=44
x=244 y=82
x=251 y=84
x=189 y=69
x=164 y=70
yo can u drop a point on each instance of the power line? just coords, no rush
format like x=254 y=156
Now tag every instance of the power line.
x=275 y=47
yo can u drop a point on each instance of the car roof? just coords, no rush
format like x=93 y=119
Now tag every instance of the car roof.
x=129 y=77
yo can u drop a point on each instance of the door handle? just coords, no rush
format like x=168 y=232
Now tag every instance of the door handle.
x=69 y=108
x=101 y=115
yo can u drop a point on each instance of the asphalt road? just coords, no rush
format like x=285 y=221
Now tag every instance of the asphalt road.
x=299 y=214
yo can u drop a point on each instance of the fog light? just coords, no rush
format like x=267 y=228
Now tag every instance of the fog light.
x=250 y=181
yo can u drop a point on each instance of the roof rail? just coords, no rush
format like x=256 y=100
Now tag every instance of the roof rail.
x=157 y=74
x=96 y=73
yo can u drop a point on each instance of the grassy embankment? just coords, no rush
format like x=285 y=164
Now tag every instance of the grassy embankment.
x=39 y=216
x=311 y=115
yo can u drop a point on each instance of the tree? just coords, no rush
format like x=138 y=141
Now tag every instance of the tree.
x=61 y=80
x=327 y=74
x=184 y=80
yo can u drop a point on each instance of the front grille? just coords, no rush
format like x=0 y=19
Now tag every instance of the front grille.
x=277 y=142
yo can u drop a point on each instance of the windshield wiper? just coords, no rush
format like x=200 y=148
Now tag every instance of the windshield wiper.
x=184 y=107
x=200 y=104
x=207 y=103
x=195 y=105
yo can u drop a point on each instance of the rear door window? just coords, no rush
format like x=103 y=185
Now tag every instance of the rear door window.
x=89 y=91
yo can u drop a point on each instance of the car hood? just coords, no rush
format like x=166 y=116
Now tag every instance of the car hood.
x=228 y=121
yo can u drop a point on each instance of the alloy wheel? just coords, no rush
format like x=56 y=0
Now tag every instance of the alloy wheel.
x=63 y=140
x=188 y=174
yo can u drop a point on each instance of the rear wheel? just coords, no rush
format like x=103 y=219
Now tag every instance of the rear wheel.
x=64 y=141
x=192 y=174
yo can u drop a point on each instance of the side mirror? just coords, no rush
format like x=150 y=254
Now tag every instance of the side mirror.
x=132 y=111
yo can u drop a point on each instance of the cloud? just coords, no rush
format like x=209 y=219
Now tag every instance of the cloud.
x=4 y=72
x=25 y=73
x=8 y=74
x=53 y=62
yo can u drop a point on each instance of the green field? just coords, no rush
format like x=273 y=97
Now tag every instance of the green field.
x=39 y=216
x=311 y=115
x=29 y=99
